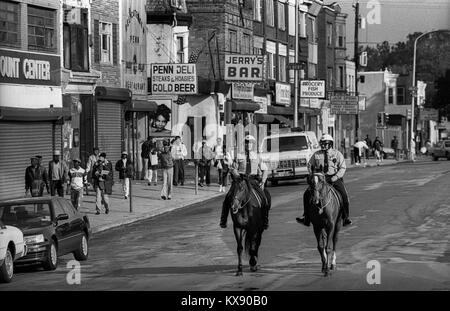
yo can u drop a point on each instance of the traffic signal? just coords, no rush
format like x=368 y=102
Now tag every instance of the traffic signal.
x=386 y=118
x=380 y=118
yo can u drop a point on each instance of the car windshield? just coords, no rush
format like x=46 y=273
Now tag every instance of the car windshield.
x=287 y=143
x=26 y=216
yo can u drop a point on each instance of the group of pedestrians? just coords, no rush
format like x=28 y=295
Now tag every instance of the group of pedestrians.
x=367 y=147
x=76 y=179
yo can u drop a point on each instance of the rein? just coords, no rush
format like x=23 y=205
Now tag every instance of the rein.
x=329 y=199
x=241 y=206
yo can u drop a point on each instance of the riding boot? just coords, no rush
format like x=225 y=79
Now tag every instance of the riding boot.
x=224 y=216
x=305 y=218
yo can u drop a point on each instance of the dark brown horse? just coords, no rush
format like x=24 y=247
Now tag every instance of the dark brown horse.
x=246 y=200
x=325 y=215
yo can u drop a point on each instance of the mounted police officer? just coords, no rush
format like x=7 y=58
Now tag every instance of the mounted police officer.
x=332 y=163
x=251 y=166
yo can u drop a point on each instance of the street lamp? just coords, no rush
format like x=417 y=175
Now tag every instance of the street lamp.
x=414 y=88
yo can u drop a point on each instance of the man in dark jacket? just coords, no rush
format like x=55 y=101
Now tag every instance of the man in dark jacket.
x=145 y=155
x=103 y=177
x=58 y=174
x=36 y=179
x=394 y=146
x=125 y=169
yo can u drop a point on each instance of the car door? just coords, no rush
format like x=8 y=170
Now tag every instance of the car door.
x=75 y=225
x=62 y=228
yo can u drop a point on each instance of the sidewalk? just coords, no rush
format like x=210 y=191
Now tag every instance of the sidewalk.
x=147 y=202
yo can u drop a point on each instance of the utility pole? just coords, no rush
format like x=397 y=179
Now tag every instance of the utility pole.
x=356 y=59
x=296 y=82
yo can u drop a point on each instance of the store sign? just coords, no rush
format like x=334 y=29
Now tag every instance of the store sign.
x=344 y=104
x=29 y=68
x=173 y=79
x=312 y=89
x=242 y=90
x=244 y=67
x=134 y=46
x=283 y=94
x=262 y=101
x=429 y=114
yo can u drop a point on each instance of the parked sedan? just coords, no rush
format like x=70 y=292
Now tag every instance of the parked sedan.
x=52 y=227
x=12 y=247
x=440 y=150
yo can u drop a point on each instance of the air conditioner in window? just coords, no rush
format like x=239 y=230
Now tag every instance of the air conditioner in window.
x=72 y=16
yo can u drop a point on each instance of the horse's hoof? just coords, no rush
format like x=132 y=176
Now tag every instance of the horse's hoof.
x=327 y=273
x=254 y=268
x=333 y=267
x=239 y=273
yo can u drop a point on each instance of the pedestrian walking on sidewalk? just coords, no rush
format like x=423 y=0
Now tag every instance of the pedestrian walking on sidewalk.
x=179 y=153
x=166 y=159
x=218 y=158
x=359 y=149
x=125 y=168
x=57 y=174
x=77 y=179
x=394 y=145
x=227 y=163
x=369 y=144
x=153 y=162
x=204 y=166
x=378 y=147
x=36 y=178
x=145 y=155
x=103 y=181
x=93 y=158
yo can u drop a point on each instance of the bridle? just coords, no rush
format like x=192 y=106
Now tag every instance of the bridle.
x=322 y=175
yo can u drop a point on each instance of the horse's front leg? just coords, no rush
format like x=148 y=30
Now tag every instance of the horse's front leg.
x=238 y=235
x=321 y=247
x=328 y=252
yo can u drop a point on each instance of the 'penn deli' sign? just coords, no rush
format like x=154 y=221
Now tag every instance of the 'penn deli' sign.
x=29 y=68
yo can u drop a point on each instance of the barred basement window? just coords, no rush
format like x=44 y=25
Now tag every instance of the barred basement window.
x=41 y=29
x=9 y=23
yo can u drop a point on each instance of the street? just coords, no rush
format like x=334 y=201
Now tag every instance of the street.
x=400 y=218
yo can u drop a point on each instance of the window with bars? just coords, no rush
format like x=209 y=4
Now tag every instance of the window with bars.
x=9 y=23
x=106 y=42
x=233 y=40
x=390 y=96
x=41 y=29
x=282 y=68
x=270 y=20
x=281 y=16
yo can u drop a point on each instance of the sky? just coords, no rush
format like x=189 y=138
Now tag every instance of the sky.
x=396 y=19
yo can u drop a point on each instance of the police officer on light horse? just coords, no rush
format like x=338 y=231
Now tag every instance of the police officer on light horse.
x=333 y=166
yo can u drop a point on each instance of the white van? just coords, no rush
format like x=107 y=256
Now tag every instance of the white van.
x=294 y=151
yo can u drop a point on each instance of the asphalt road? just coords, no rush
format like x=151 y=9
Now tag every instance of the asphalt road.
x=401 y=219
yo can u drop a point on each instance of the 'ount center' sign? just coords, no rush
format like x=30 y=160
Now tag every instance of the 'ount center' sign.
x=174 y=79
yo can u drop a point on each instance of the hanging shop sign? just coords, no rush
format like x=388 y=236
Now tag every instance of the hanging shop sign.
x=344 y=104
x=242 y=90
x=175 y=79
x=312 y=89
x=283 y=94
x=262 y=101
x=244 y=67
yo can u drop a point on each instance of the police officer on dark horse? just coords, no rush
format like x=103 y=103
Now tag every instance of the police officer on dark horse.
x=256 y=171
x=333 y=166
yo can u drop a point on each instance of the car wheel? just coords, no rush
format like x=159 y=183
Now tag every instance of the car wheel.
x=434 y=157
x=51 y=261
x=7 y=268
x=82 y=252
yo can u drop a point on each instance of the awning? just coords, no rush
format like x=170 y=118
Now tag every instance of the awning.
x=284 y=120
x=30 y=115
x=141 y=105
x=112 y=93
x=264 y=118
x=286 y=111
x=243 y=105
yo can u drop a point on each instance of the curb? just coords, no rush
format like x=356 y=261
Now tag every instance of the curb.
x=150 y=215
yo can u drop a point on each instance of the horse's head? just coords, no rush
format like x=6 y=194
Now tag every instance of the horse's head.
x=317 y=183
x=239 y=190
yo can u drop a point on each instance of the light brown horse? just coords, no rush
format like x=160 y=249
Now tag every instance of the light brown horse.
x=326 y=217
